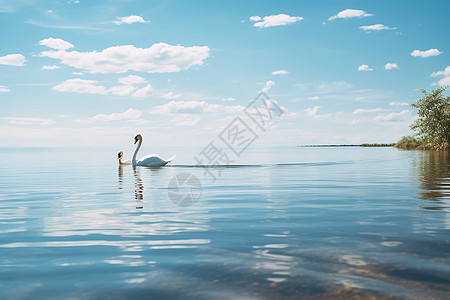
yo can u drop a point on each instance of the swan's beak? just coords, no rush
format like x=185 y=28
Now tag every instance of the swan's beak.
x=135 y=141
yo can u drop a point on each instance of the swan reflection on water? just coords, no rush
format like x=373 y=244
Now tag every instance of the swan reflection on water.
x=138 y=182
x=138 y=188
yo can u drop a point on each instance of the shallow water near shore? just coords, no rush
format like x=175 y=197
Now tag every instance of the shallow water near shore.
x=286 y=222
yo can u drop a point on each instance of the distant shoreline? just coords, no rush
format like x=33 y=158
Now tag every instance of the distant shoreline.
x=351 y=145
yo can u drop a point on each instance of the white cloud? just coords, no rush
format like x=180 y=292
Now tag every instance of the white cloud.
x=312 y=111
x=377 y=27
x=268 y=86
x=391 y=66
x=17 y=60
x=280 y=72
x=83 y=86
x=359 y=98
x=129 y=20
x=130 y=114
x=228 y=99
x=446 y=72
x=183 y=107
x=158 y=58
x=170 y=95
x=314 y=98
x=444 y=81
x=361 y=110
x=51 y=67
x=77 y=73
x=255 y=18
x=350 y=13
x=29 y=121
x=4 y=89
x=400 y=116
x=427 y=53
x=398 y=103
x=195 y=107
x=364 y=68
x=144 y=92
x=274 y=20
x=57 y=44
x=78 y=85
x=132 y=79
x=122 y=90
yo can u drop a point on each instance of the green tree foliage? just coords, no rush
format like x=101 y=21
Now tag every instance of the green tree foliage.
x=433 y=122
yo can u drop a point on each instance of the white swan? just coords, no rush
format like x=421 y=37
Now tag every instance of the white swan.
x=149 y=160
x=120 y=156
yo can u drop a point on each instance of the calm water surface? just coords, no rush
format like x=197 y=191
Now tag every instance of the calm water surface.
x=282 y=223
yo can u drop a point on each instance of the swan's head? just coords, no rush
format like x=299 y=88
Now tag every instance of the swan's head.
x=137 y=138
x=120 y=155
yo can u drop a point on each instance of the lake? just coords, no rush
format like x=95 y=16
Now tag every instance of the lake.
x=279 y=223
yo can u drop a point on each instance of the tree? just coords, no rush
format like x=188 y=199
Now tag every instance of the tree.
x=433 y=122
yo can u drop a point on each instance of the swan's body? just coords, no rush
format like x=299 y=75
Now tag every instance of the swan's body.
x=125 y=162
x=149 y=160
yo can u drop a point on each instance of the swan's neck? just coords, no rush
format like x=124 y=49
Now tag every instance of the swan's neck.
x=136 y=151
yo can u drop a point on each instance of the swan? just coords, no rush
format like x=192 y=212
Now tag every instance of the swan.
x=149 y=160
x=120 y=156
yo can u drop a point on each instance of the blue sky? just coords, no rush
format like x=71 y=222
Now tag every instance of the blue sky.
x=83 y=73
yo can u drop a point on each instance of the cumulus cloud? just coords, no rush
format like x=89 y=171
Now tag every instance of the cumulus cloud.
x=376 y=27
x=446 y=72
x=364 y=68
x=57 y=44
x=28 y=121
x=17 y=60
x=81 y=86
x=181 y=107
x=361 y=110
x=444 y=81
x=170 y=95
x=280 y=72
x=130 y=114
x=391 y=66
x=144 y=92
x=132 y=79
x=127 y=88
x=122 y=90
x=158 y=58
x=51 y=67
x=4 y=89
x=427 y=53
x=400 y=116
x=312 y=111
x=195 y=107
x=314 y=98
x=350 y=13
x=129 y=20
x=255 y=18
x=274 y=20
x=398 y=103
x=268 y=86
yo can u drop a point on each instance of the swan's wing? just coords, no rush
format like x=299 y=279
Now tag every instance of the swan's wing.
x=151 y=160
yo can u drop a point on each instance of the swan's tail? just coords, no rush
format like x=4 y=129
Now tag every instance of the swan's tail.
x=170 y=159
